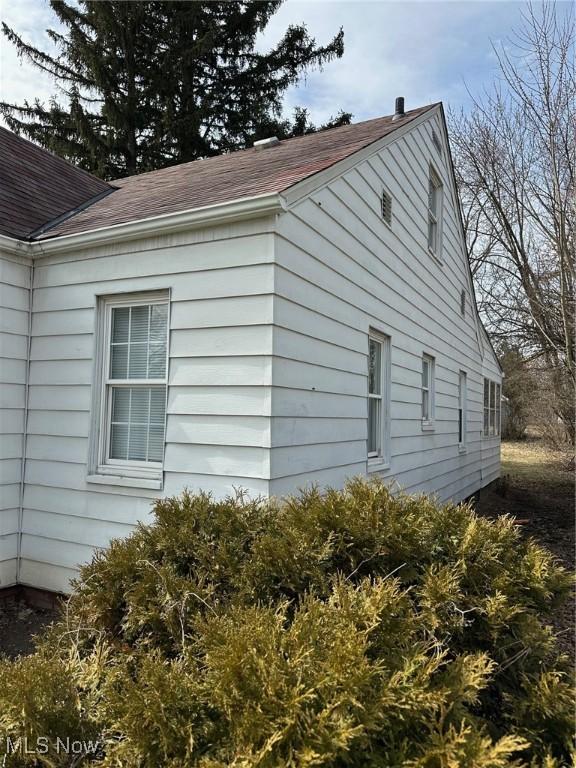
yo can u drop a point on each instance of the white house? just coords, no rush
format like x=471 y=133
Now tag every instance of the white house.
x=298 y=312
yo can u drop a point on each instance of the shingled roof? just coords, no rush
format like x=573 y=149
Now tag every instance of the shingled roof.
x=226 y=178
x=37 y=187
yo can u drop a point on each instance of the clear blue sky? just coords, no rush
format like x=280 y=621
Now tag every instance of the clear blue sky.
x=425 y=51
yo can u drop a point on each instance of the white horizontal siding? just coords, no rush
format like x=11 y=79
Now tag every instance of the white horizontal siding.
x=218 y=430
x=14 y=317
x=8 y=572
x=219 y=376
x=340 y=271
x=104 y=506
x=54 y=578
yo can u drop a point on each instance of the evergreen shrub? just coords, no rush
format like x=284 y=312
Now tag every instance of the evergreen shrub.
x=340 y=629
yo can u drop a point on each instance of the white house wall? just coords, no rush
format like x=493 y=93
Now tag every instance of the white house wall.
x=218 y=416
x=14 y=320
x=267 y=379
x=340 y=271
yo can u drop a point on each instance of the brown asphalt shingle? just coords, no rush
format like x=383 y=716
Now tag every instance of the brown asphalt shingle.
x=51 y=184
x=225 y=178
x=37 y=186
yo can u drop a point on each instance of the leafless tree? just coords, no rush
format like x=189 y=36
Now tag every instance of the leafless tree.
x=515 y=157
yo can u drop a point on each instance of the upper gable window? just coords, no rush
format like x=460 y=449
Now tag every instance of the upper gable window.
x=436 y=142
x=435 y=195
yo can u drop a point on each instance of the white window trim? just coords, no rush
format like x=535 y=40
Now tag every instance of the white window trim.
x=463 y=406
x=101 y=469
x=428 y=424
x=437 y=217
x=379 y=461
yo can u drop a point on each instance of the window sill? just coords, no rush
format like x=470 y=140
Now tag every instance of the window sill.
x=377 y=465
x=428 y=426
x=126 y=481
x=435 y=257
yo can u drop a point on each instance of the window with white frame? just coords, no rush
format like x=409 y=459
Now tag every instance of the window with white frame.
x=378 y=398
x=428 y=365
x=434 y=213
x=492 y=398
x=134 y=356
x=462 y=409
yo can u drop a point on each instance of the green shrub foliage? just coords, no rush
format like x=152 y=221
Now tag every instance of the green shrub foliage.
x=342 y=629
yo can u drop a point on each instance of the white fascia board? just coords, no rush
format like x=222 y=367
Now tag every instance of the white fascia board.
x=209 y=215
x=313 y=183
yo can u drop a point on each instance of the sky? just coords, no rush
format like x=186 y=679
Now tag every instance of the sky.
x=424 y=50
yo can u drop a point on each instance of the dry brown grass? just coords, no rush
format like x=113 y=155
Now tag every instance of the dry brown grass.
x=532 y=464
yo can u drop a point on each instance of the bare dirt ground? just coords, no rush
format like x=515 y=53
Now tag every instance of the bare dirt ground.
x=18 y=624
x=537 y=488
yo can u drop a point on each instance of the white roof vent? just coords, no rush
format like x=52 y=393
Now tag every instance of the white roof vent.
x=265 y=143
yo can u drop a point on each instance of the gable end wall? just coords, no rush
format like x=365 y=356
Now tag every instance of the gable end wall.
x=341 y=270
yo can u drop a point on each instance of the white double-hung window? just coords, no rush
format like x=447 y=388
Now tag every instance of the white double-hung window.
x=134 y=360
x=378 y=400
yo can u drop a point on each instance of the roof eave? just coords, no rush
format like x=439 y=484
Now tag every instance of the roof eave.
x=210 y=215
x=14 y=247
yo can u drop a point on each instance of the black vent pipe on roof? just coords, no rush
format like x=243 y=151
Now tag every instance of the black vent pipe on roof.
x=399 y=108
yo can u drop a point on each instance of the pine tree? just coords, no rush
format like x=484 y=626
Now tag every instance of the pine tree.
x=143 y=85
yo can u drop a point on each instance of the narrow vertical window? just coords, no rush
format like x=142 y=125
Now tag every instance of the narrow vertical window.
x=374 y=398
x=492 y=405
x=462 y=409
x=378 y=398
x=498 y=405
x=427 y=390
x=492 y=408
x=434 y=213
x=486 y=407
x=134 y=382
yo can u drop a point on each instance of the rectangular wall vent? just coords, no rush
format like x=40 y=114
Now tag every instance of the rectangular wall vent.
x=387 y=207
x=436 y=141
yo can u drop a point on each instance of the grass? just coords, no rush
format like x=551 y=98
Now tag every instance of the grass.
x=532 y=464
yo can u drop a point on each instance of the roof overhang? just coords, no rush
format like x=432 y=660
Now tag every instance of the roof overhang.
x=210 y=215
